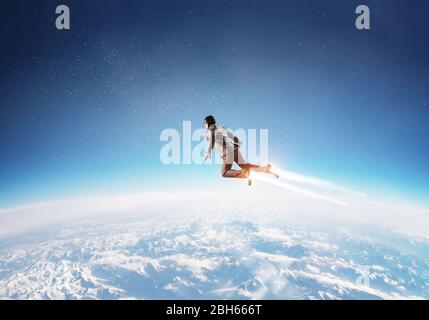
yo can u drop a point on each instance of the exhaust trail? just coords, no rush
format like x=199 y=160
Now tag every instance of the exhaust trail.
x=297 y=189
x=292 y=176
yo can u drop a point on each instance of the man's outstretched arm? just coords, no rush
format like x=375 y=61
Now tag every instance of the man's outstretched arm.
x=210 y=144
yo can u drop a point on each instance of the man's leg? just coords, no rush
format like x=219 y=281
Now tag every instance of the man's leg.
x=227 y=171
x=239 y=159
x=232 y=173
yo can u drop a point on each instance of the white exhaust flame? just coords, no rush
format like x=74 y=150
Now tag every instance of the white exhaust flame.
x=297 y=189
x=292 y=176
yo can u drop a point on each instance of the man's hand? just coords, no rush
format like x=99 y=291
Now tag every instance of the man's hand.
x=207 y=157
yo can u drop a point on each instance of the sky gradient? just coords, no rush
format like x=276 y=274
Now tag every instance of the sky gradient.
x=82 y=110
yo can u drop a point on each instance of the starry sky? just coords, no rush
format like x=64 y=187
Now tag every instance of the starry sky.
x=81 y=111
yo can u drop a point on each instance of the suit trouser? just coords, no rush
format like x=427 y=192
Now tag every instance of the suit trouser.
x=232 y=156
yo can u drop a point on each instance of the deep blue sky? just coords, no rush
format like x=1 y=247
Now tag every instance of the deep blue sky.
x=82 y=110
